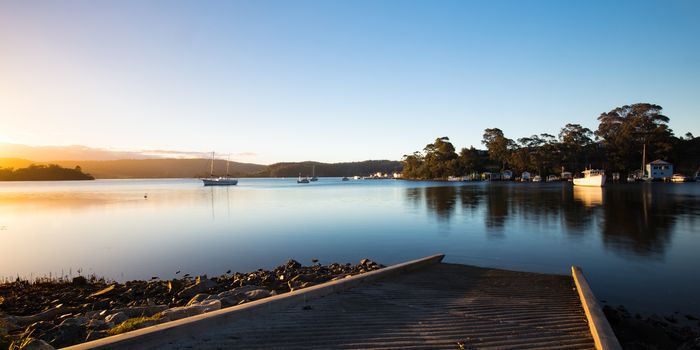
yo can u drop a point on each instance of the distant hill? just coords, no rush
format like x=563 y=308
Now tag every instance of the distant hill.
x=335 y=169
x=159 y=168
x=51 y=172
x=15 y=163
x=191 y=168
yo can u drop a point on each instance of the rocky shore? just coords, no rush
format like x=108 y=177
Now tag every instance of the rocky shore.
x=59 y=313
x=637 y=332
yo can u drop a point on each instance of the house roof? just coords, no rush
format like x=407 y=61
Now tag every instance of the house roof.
x=659 y=161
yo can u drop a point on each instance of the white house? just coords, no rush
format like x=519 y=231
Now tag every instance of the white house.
x=659 y=170
x=506 y=175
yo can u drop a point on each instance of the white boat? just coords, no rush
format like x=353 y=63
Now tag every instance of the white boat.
x=551 y=178
x=356 y=177
x=537 y=178
x=679 y=178
x=591 y=177
x=221 y=180
x=302 y=180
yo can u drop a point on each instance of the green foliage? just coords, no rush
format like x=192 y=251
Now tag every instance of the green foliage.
x=43 y=173
x=133 y=324
x=619 y=140
x=625 y=130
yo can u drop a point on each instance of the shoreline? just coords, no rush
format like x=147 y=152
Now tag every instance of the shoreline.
x=60 y=313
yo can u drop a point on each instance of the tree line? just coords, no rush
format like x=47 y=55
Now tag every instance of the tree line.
x=616 y=145
x=51 y=172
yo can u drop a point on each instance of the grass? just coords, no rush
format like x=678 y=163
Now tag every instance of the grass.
x=133 y=324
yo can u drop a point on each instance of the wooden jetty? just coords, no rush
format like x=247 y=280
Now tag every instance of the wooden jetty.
x=421 y=304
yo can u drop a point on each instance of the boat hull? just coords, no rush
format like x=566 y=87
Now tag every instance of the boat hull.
x=220 y=182
x=591 y=181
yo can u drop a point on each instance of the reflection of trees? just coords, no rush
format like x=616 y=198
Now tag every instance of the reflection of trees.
x=441 y=200
x=632 y=219
x=639 y=220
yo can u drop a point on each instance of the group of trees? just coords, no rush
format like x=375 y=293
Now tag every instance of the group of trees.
x=617 y=145
x=49 y=172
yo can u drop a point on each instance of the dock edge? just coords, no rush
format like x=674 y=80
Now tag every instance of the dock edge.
x=158 y=334
x=602 y=333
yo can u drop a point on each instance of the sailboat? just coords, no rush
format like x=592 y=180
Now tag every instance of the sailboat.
x=313 y=174
x=219 y=181
x=302 y=180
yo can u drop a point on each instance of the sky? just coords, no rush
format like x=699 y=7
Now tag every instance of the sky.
x=333 y=81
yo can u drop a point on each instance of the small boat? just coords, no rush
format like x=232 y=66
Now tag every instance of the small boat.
x=591 y=177
x=356 y=177
x=537 y=178
x=346 y=179
x=221 y=180
x=552 y=178
x=679 y=178
x=302 y=180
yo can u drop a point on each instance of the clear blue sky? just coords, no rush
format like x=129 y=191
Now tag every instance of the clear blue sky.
x=335 y=80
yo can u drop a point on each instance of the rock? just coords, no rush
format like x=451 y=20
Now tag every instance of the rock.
x=104 y=291
x=67 y=335
x=79 y=321
x=37 y=344
x=94 y=335
x=257 y=294
x=39 y=329
x=200 y=286
x=138 y=311
x=80 y=281
x=198 y=298
x=101 y=304
x=98 y=325
x=177 y=313
x=237 y=291
x=117 y=318
x=693 y=344
x=174 y=286
x=292 y=264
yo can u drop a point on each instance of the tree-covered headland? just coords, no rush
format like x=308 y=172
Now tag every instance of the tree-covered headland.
x=616 y=146
x=51 y=172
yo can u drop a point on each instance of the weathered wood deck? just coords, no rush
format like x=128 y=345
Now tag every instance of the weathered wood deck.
x=438 y=306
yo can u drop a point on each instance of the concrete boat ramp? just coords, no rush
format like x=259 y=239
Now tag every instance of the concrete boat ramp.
x=421 y=304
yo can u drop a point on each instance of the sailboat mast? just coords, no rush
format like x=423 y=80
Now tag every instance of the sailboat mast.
x=644 y=158
x=227 y=158
x=211 y=167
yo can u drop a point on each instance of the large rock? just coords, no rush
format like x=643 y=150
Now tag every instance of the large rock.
x=99 y=325
x=177 y=313
x=200 y=286
x=258 y=294
x=138 y=311
x=69 y=334
x=117 y=318
x=198 y=298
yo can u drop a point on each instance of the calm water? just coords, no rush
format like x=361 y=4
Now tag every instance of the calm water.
x=639 y=244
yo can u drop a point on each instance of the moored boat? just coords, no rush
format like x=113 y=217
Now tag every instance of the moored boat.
x=591 y=177
x=346 y=179
x=302 y=180
x=537 y=178
x=679 y=178
x=221 y=180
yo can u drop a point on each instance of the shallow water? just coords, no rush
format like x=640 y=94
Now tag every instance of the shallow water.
x=638 y=244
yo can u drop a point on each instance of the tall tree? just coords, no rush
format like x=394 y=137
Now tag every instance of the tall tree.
x=574 y=141
x=498 y=145
x=626 y=130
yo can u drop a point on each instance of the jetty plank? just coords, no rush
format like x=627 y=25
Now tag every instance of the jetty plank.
x=436 y=306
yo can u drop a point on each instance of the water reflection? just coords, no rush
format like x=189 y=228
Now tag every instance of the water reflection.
x=589 y=196
x=632 y=219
